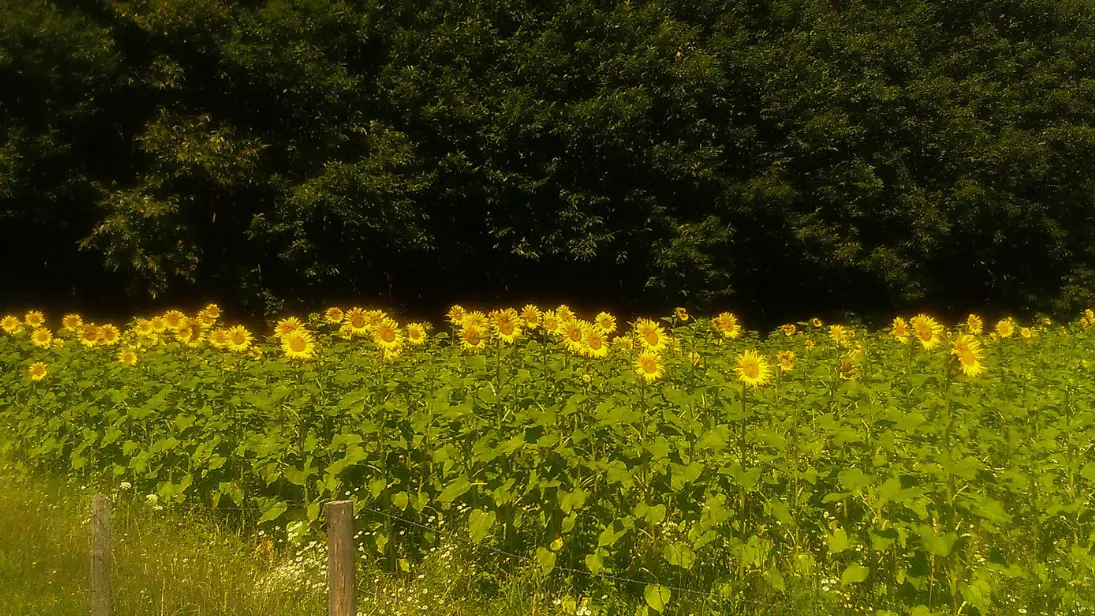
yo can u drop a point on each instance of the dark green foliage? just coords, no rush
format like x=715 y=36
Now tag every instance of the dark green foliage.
x=774 y=157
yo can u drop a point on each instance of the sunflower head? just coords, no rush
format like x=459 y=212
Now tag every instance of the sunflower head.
x=387 y=334
x=927 y=331
x=1005 y=328
x=41 y=338
x=681 y=314
x=298 y=344
x=11 y=325
x=476 y=319
x=840 y=334
x=530 y=314
x=71 y=322
x=572 y=332
x=564 y=313
x=605 y=322
x=786 y=360
x=35 y=318
x=752 y=369
x=507 y=325
x=967 y=348
x=128 y=356
x=815 y=322
x=208 y=316
x=190 y=332
x=37 y=371
x=287 y=326
x=109 y=335
x=416 y=333
x=239 y=339
x=456 y=315
x=974 y=324
x=334 y=315
x=623 y=342
x=900 y=330
x=1027 y=333
x=727 y=325
x=218 y=338
x=651 y=335
x=788 y=329
x=173 y=319
x=89 y=335
x=649 y=366
x=144 y=328
x=593 y=342
x=1090 y=314
x=549 y=322
x=159 y=324
x=472 y=337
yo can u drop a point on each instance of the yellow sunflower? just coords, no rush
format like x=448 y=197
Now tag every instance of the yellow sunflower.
x=209 y=317
x=89 y=335
x=108 y=335
x=1005 y=328
x=11 y=325
x=900 y=330
x=239 y=339
x=974 y=324
x=753 y=369
x=355 y=318
x=35 y=318
x=530 y=314
x=651 y=335
x=1026 y=332
x=472 y=338
x=840 y=334
x=606 y=322
x=128 y=356
x=788 y=329
x=593 y=342
x=387 y=335
x=786 y=360
x=173 y=319
x=564 y=313
x=549 y=322
x=346 y=332
x=507 y=325
x=144 y=328
x=287 y=326
x=681 y=314
x=190 y=332
x=1090 y=314
x=475 y=319
x=218 y=338
x=391 y=353
x=928 y=331
x=71 y=322
x=968 y=350
x=727 y=325
x=624 y=342
x=37 y=371
x=649 y=366
x=456 y=315
x=334 y=315
x=298 y=344
x=815 y=322
x=373 y=318
x=159 y=324
x=416 y=333
x=41 y=338
x=572 y=335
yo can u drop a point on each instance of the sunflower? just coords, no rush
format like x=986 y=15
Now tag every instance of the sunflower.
x=35 y=318
x=681 y=314
x=37 y=371
x=651 y=335
x=753 y=369
x=58 y=343
x=373 y=318
x=218 y=338
x=239 y=339
x=127 y=356
x=71 y=322
x=507 y=326
x=89 y=335
x=11 y=325
x=392 y=353
x=788 y=329
x=209 y=317
x=549 y=322
x=144 y=328
x=108 y=335
x=927 y=330
x=530 y=314
x=287 y=326
x=848 y=367
x=190 y=332
x=593 y=342
x=1090 y=314
x=346 y=332
x=727 y=325
x=1026 y=332
x=649 y=366
x=624 y=342
x=1084 y=322
x=572 y=335
x=1005 y=328
x=564 y=313
x=900 y=330
x=416 y=333
x=968 y=351
x=605 y=322
x=808 y=343
x=786 y=360
x=815 y=322
x=974 y=324
x=41 y=338
x=355 y=318
x=159 y=324
x=334 y=315
x=840 y=334
x=298 y=344
x=173 y=319
x=475 y=319
x=387 y=335
x=1047 y=321
x=456 y=315
x=472 y=338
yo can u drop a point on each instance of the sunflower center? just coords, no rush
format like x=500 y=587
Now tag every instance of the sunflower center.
x=505 y=328
x=923 y=331
x=387 y=334
x=750 y=369
x=297 y=344
x=651 y=337
x=649 y=365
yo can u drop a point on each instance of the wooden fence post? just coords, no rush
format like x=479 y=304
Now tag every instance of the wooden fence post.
x=100 y=556
x=340 y=559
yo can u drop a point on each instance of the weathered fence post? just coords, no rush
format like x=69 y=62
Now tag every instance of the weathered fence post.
x=100 y=556
x=340 y=559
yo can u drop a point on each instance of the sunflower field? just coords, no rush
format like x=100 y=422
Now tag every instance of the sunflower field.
x=919 y=469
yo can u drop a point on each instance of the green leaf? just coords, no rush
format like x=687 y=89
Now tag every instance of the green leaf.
x=838 y=541
x=480 y=523
x=454 y=490
x=595 y=563
x=273 y=512
x=854 y=574
x=657 y=596
x=546 y=558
